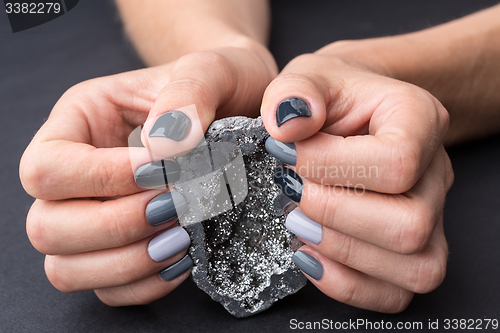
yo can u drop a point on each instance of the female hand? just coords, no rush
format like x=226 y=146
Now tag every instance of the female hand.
x=370 y=174
x=99 y=228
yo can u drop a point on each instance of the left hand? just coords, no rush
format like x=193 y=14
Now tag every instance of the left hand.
x=369 y=154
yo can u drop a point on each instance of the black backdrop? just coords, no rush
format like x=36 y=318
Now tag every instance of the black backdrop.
x=38 y=65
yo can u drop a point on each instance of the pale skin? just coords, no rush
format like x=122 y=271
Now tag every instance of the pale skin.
x=385 y=102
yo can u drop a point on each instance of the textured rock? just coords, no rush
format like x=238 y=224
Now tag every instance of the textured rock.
x=242 y=250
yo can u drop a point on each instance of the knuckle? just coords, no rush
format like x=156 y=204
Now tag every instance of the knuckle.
x=345 y=252
x=123 y=296
x=398 y=301
x=120 y=231
x=138 y=298
x=430 y=274
x=205 y=60
x=443 y=115
x=102 y=178
x=196 y=86
x=348 y=292
x=328 y=205
x=188 y=68
x=57 y=275
x=125 y=272
x=294 y=78
x=405 y=166
x=415 y=232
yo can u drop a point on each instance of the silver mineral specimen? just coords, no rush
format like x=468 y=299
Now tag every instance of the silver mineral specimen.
x=242 y=251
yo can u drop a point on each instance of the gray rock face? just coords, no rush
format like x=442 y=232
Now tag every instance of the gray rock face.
x=241 y=250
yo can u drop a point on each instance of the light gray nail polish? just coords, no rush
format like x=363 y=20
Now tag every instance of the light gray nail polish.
x=174 y=125
x=165 y=207
x=157 y=173
x=298 y=223
x=308 y=264
x=173 y=271
x=285 y=152
x=168 y=243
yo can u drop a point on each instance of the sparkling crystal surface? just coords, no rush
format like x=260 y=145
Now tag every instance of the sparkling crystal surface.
x=242 y=256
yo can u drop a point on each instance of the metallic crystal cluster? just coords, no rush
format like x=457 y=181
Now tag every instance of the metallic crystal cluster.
x=242 y=256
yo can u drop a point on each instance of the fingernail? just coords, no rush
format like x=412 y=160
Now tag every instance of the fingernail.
x=157 y=173
x=174 y=125
x=290 y=108
x=285 y=152
x=173 y=271
x=308 y=264
x=298 y=223
x=165 y=207
x=289 y=182
x=168 y=243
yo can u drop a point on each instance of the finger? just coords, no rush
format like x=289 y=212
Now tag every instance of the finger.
x=201 y=84
x=77 y=225
x=144 y=291
x=420 y=273
x=374 y=122
x=79 y=151
x=293 y=107
x=399 y=223
x=117 y=266
x=349 y=286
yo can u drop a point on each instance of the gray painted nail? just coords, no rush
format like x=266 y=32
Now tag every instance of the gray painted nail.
x=173 y=271
x=285 y=152
x=308 y=264
x=168 y=243
x=290 y=108
x=157 y=173
x=298 y=223
x=289 y=182
x=165 y=207
x=174 y=125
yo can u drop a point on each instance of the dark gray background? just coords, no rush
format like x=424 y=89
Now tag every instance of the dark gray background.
x=38 y=65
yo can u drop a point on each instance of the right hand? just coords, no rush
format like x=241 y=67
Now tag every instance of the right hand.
x=89 y=214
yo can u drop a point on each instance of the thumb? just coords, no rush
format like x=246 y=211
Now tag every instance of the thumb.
x=197 y=85
x=229 y=81
x=293 y=107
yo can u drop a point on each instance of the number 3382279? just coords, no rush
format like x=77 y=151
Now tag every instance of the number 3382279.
x=33 y=8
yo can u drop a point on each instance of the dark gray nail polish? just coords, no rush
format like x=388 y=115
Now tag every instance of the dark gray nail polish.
x=165 y=207
x=173 y=271
x=308 y=264
x=157 y=173
x=285 y=152
x=289 y=182
x=174 y=125
x=290 y=108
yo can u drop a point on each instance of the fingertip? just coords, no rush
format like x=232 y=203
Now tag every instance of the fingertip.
x=308 y=263
x=293 y=108
x=174 y=132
